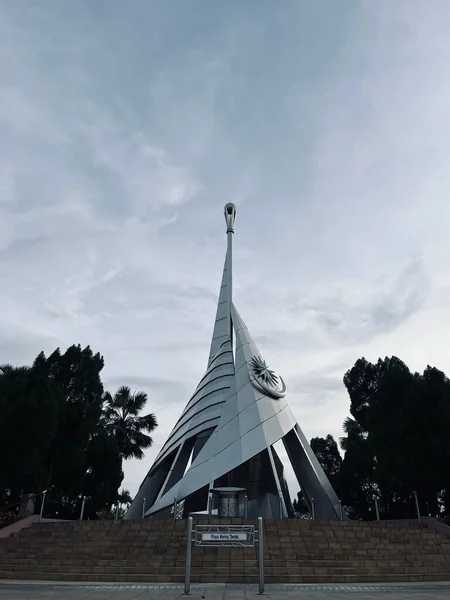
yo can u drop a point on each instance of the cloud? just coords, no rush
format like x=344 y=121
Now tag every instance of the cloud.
x=373 y=312
x=159 y=389
x=124 y=129
x=315 y=382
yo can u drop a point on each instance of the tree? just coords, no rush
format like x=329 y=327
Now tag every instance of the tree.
x=301 y=506
x=29 y=416
x=130 y=430
x=104 y=474
x=396 y=442
x=118 y=512
x=76 y=376
x=124 y=498
x=327 y=453
x=54 y=434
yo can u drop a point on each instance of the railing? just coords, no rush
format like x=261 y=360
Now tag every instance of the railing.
x=12 y=513
x=376 y=511
x=413 y=497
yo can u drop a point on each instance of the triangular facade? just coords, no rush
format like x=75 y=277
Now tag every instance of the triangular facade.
x=228 y=428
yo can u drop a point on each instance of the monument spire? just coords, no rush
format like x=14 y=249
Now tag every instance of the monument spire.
x=222 y=331
x=226 y=434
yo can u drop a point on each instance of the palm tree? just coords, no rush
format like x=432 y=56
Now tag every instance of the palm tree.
x=354 y=433
x=123 y=497
x=130 y=430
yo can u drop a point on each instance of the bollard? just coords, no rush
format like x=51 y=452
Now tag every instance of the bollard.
x=341 y=511
x=377 y=512
x=187 y=573
x=143 y=509
x=174 y=508
x=42 y=505
x=82 y=508
x=117 y=513
x=261 y=557
x=313 y=509
x=246 y=506
x=417 y=506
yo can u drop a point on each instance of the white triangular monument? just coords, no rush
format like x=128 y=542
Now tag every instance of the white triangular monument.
x=228 y=429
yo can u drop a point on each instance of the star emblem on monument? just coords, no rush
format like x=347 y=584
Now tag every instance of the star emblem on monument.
x=266 y=378
x=262 y=371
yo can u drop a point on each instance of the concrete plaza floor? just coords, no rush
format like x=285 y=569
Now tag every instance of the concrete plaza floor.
x=59 y=591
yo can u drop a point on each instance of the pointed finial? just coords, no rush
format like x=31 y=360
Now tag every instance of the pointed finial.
x=230 y=216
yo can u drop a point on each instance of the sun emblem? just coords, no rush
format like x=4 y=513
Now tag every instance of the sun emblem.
x=266 y=379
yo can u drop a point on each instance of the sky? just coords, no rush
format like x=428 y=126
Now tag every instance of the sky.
x=126 y=126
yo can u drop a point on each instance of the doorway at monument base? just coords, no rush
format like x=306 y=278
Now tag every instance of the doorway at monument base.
x=266 y=489
x=263 y=477
x=263 y=497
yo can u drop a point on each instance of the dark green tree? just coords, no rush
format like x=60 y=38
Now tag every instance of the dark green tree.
x=76 y=376
x=123 y=420
x=29 y=411
x=356 y=477
x=327 y=453
x=396 y=441
x=55 y=436
x=104 y=474
x=301 y=506
x=124 y=498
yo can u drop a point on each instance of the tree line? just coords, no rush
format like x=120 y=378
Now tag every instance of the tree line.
x=396 y=441
x=61 y=431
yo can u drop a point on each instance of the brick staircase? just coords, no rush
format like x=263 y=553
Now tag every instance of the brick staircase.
x=296 y=551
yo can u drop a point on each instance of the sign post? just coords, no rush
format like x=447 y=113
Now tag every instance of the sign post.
x=260 y=556
x=237 y=536
x=187 y=574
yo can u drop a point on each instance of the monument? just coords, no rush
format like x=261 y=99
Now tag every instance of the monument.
x=225 y=436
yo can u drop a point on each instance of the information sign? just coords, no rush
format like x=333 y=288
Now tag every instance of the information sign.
x=224 y=536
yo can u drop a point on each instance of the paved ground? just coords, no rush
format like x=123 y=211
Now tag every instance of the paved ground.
x=46 y=591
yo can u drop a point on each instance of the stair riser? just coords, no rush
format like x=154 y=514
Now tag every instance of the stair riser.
x=294 y=552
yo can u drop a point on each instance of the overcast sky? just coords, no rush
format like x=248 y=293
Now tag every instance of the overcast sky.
x=125 y=126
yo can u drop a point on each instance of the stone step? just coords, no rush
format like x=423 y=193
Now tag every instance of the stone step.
x=295 y=551
x=211 y=577
x=271 y=543
x=227 y=569
x=24 y=554
x=288 y=531
x=80 y=563
x=182 y=533
x=182 y=543
x=32 y=559
x=311 y=527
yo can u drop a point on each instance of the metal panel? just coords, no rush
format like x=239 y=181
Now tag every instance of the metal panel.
x=311 y=477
